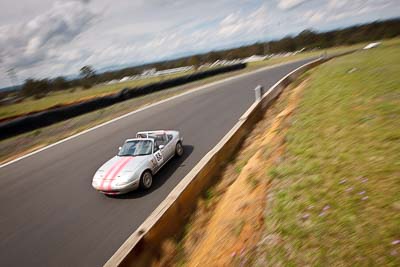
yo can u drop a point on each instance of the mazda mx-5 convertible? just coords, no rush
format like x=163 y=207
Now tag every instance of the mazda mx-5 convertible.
x=138 y=160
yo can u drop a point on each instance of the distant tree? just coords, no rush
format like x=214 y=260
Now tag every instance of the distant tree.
x=86 y=83
x=287 y=44
x=212 y=56
x=87 y=72
x=306 y=38
x=194 y=61
x=60 y=83
x=88 y=76
x=35 y=88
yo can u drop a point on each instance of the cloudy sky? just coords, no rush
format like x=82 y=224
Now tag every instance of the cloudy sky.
x=47 y=38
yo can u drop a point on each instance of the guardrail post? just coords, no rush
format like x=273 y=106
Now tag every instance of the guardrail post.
x=258 y=92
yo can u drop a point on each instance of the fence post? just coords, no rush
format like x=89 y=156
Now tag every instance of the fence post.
x=258 y=92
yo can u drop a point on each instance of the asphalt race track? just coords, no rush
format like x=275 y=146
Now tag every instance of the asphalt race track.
x=51 y=216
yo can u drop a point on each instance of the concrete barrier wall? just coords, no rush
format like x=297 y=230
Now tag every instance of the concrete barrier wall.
x=169 y=217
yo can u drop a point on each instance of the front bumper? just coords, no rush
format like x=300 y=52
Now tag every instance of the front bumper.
x=115 y=189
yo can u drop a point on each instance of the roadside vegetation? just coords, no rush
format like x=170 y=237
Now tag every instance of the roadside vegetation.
x=334 y=199
x=324 y=164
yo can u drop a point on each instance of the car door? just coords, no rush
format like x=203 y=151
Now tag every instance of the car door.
x=159 y=156
x=169 y=147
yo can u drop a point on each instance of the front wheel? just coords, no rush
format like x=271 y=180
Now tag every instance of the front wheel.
x=146 y=180
x=179 y=149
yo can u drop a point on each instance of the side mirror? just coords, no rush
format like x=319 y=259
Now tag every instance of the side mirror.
x=119 y=148
x=161 y=147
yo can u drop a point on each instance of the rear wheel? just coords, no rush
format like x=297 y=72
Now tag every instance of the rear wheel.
x=179 y=149
x=146 y=180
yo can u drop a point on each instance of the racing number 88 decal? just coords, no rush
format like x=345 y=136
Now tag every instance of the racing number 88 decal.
x=158 y=156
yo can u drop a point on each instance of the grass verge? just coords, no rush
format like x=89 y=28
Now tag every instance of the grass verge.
x=326 y=176
x=228 y=220
x=334 y=199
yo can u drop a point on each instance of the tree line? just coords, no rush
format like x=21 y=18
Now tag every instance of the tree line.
x=308 y=39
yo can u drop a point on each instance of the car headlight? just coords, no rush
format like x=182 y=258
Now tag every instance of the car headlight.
x=126 y=178
x=122 y=182
x=96 y=182
x=99 y=173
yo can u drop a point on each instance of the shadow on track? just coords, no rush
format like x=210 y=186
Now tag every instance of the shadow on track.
x=161 y=177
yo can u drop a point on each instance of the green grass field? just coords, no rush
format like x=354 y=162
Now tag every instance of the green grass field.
x=77 y=94
x=335 y=196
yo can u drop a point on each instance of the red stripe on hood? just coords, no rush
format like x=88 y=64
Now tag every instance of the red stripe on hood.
x=109 y=171
x=118 y=171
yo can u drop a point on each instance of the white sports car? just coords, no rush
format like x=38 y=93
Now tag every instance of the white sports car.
x=137 y=161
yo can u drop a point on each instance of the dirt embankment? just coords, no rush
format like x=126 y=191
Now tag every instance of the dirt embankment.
x=229 y=221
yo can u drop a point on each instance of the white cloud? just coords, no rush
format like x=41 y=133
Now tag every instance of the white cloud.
x=72 y=33
x=29 y=43
x=244 y=24
x=289 y=4
x=314 y=16
x=335 y=10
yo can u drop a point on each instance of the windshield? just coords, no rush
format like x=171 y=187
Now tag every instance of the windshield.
x=136 y=148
